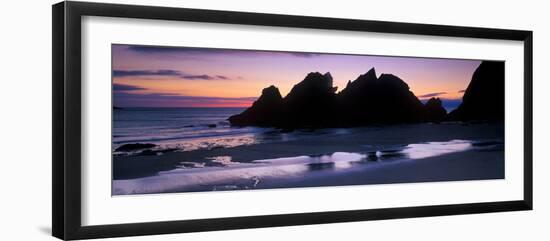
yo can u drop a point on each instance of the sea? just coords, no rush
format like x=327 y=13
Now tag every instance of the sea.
x=184 y=129
x=187 y=129
x=193 y=128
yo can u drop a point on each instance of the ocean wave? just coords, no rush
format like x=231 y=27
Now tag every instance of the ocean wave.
x=188 y=135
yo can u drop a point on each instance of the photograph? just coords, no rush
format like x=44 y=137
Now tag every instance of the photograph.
x=188 y=119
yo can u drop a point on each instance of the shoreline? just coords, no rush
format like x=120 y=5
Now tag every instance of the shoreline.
x=357 y=140
x=459 y=166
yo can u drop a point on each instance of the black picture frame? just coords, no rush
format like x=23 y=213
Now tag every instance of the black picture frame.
x=66 y=170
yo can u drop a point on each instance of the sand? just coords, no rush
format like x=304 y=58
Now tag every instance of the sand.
x=468 y=165
x=158 y=174
x=356 y=140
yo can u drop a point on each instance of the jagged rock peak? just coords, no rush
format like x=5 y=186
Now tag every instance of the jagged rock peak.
x=271 y=91
x=328 y=76
x=316 y=76
x=361 y=81
x=313 y=75
x=393 y=80
x=371 y=74
x=313 y=81
x=368 y=76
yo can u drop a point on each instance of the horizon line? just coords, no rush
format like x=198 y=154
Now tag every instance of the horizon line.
x=122 y=107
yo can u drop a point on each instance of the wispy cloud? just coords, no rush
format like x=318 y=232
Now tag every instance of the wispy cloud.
x=160 y=49
x=461 y=91
x=204 y=77
x=169 y=73
x=161 y=72
x=186 y=97
x=123 y=87
x=208 y=51
x=176 y=100
x=432 y=95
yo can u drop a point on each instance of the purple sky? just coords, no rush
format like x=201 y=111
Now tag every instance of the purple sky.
x=148 y=76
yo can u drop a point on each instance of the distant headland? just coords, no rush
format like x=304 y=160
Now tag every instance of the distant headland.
x=371 y=100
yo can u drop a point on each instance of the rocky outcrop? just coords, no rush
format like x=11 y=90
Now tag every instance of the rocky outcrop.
x=383 y=100
x=135 y=146
x=484 y=97
x=310 y=103
x=434 y=111
x=314 y=103
x=265 y=111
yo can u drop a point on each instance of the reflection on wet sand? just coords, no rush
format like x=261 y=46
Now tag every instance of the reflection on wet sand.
x=223 y=173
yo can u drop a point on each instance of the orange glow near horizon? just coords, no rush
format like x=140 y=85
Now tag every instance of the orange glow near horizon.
x=185 y=77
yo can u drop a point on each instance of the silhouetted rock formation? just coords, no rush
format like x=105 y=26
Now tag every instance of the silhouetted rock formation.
x=310 y=103
x=484 y=97
x=135 y=146
x=368 y=100
x=265 y=111
x=383 y=100
x=313 y=103
x=434 y=110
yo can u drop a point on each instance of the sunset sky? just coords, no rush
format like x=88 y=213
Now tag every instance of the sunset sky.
x=148 y=76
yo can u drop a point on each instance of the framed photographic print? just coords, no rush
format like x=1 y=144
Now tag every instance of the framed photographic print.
x=170 y=120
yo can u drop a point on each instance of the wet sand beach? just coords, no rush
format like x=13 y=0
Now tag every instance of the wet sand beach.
x=354 y=156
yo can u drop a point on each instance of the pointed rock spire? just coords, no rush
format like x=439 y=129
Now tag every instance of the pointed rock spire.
x=371 y=74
